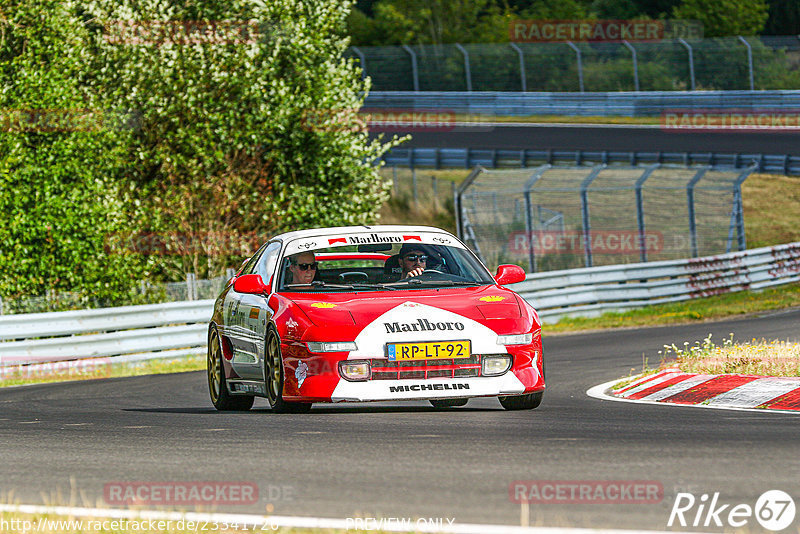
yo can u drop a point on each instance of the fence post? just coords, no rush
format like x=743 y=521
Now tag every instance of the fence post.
x=1 y=305
x=742 y=242
x=521 y=67
x=580 y=64
x=414 y=185
x=635 y=64
x=640 y=211
x=749 y=61
x=434 y=186
x=529 y=214
x=690 y=204
x=458 y=193
x=467 y=73
x=414 y=71
x=191 y=292
x=587 y=240
x=363 y=61
x=691 y=61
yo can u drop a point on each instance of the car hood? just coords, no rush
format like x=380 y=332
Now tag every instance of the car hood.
x=476 y=303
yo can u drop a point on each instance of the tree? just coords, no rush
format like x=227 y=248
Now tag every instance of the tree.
x=60 y=148
x=723 y=18
x=784 y=18
x=246 y=125
x=431 y=22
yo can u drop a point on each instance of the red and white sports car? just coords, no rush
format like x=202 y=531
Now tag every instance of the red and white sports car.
x=372 y=314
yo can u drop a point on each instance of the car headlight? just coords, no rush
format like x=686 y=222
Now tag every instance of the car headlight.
x=354 y=370
x=331 y=346
x=495 y=364
x=516 y=339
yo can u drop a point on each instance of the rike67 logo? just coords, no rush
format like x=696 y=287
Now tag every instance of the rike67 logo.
x=774 y=510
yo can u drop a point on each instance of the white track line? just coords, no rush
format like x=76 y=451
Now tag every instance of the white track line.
x=299 y=522
x=599 y=392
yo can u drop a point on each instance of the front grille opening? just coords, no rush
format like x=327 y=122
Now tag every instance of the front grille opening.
x=424 y=369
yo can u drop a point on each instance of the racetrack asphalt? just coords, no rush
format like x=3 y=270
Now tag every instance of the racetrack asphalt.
x=406 y=459
x=612 y=138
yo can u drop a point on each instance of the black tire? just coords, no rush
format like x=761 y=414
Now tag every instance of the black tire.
x=217 y=385
x=522 y=402
x=441 y=404
x=273 y=378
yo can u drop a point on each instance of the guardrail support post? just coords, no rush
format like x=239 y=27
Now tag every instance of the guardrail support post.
x=640 y=211
x=635 y=65
x=523 y=80
x=691 y=62
x=690 y=204
x=580 y=63
x=414 y=70
x=529 y=214
x=749 y=61
x=467 y=73
x=587 y=240
x=363 y=61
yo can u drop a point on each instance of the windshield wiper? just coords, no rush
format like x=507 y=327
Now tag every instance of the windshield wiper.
x=416 y=282
x=317 y=284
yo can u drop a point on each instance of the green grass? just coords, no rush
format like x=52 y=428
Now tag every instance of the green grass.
x=693 y=311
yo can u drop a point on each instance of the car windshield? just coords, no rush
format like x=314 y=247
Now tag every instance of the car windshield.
x=381 y=268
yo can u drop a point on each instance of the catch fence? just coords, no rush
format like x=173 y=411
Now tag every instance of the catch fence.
x=555 y=218
x=731 y=63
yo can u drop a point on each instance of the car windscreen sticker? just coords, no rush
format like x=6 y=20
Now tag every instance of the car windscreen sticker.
x=415 y=322
x=369 y=238
x=300 y=373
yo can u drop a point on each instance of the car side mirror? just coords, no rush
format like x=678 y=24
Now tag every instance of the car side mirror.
x=252 y=284
x=509 y=274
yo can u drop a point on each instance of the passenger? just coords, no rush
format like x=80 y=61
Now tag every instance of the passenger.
x=303 y=267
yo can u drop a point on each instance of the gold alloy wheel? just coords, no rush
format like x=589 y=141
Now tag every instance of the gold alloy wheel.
x=214 y=366
x=274 y=368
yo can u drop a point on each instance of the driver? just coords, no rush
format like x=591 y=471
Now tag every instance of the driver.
x=413 y=260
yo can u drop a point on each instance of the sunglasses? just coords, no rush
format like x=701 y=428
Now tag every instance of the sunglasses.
x=307 y=266
x=416 y=257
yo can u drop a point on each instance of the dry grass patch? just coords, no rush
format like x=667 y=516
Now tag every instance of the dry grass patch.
x=762 y=358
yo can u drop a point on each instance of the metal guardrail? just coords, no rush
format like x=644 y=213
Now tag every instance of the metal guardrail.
x=596 y=290
x=151 y=331
x=600 y=104
x=498 y=158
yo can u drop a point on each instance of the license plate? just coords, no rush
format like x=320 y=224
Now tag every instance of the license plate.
x=433 y=350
